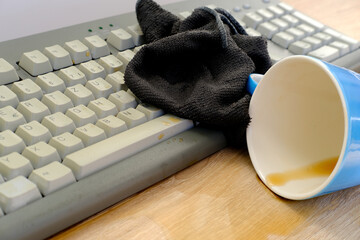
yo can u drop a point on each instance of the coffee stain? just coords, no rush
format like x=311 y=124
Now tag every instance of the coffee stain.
x=175 y=120
x=318 y=169
x=161 y=136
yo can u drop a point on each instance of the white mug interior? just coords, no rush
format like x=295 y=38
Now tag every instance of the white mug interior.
x=298 y=118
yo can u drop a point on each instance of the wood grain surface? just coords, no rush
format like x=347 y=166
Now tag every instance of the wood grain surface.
x=222 y=198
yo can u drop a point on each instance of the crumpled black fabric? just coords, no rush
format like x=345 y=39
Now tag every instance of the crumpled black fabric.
x=197 y=68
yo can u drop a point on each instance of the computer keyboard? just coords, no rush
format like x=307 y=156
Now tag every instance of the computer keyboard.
x=75 y=140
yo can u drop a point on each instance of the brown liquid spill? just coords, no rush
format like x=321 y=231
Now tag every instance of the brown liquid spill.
x=319 y=169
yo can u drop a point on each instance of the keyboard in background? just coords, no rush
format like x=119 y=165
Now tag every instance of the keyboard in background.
x=74 y=140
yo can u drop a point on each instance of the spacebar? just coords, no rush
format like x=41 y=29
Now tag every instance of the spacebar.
x=112 y=150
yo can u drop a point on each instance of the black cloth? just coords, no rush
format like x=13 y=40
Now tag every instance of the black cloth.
x=197 y=68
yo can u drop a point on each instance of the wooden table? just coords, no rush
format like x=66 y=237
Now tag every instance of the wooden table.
x=222 y=198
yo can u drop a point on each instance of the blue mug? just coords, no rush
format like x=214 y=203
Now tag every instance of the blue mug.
x=304 y=134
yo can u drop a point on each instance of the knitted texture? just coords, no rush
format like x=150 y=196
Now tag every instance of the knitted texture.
x=197 y=68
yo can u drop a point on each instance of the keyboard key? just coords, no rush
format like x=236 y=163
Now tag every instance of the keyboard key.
x=132 y=117
x=325 y=38
x=17 y=193
x=90 y=134
x=291 y=20
x=297 y=34
x=137 y=34
x=98 y=47
x=10 y=142
x=136 y=49
x=283 y=39
x=308 y=20
x=125 y=57
x=185 y=14
x=50 y=82
x=35 y=63
x=92 y=70
x=99 y=87
x=72 y=76
x=308 y=30
x=325 y=53
x=10 y=118
x=52 y=177
x=150 y=111
x=33 y=132
x=90 y=160
x=78 y=51
x=120 y=39
x=265 y=14
x=315 y=43
x=252 y=20
x=41 y=154
x=66 y=143
x=81 y=115
x=300 y=47
x=267 y=29
x=111 y=125
x=8 y=73
x=103 y=107
x=79 y=94
x=57 y=102
x=252 y=32
x=1 y=181
x=8 y=97
x=58 y=56
x=27 y=89
x=281 y=24
x=343 y=47
x=276 y=10
x=287 y=8
x=123 y=100
x=58 y=123
x=354 y=44
x=111 y=63
x=117 y=81
x=13 y=165
x=33 y=110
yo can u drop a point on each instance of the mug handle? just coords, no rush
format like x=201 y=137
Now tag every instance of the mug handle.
x=253 y=81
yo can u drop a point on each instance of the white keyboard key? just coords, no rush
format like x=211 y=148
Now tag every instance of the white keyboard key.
x=35 y=63
x=120 y=39
x=81 y=115
x=308 y=30
x=17 y=193
x=10 y=118
x=52 y=177
x=33 y=110
x=79 y=94
x=1 y=181
x=136 y=49
x=308 y=20
x=132 y=117
x=298 y=34
x=33 y=132
x=354 y=44
x=315 y=43
x=117 y=81
x=252 y=32
x=111 y=125
x=300 y=47
x=13 y=165
x=137 y=34
x=325 y=53
x=283 y=39
x=8 y=73
x=99 y=87
x=66 y=143
x=125 y=57
x=267 y=29
x=57 y=102
x=103 y=107
x=252 y=20
x=98 y=47
x=325 y=38
x=41 y=154
x=92 y=70
x=58 y=123
x=10 y=142
x=27 y=89
x=291 y=20
x=8 y=97
x=105 y=153
x=281 y=24
x=150 y=111
x=185 y=14
x=276 y=10
x=265 y=14
x=111 y=63
x=58 y=56
x=90 y=134
x=72 y=76
x=287 y=8
x=78 y=51
x=123 y=100
x=50 y=82
x=343 y=47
